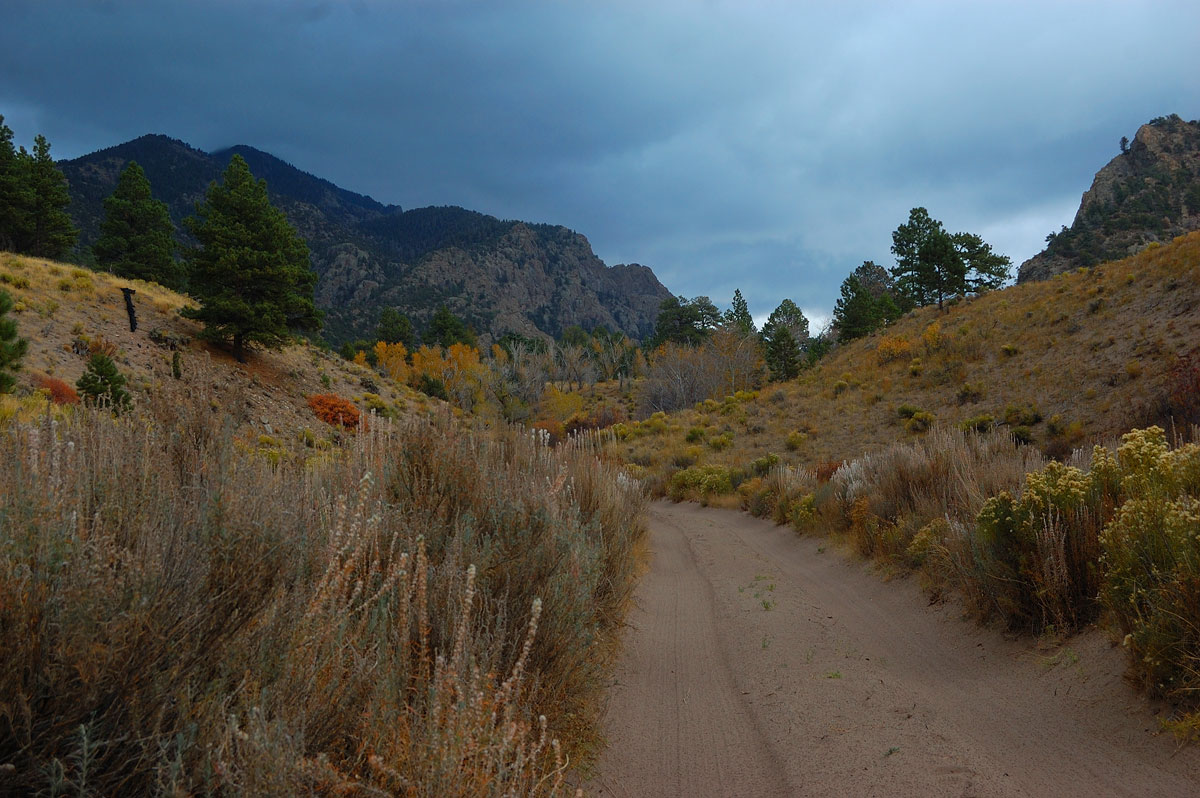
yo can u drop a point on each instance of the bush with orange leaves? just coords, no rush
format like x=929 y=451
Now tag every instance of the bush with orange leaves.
x=893 y=347
x=60 y=392
x=333 y=409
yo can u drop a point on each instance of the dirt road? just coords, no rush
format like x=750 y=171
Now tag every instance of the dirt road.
x=758 y=663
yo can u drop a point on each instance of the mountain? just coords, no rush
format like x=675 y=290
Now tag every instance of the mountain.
x=1149 y=193
x=498 y=275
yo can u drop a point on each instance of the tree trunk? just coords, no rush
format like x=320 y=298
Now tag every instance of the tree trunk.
x=239 y=349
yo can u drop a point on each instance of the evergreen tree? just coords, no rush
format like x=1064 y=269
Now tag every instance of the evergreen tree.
x=251 y=272
x=15 y=195
x=101 y=382
x=684 y=321
x=859 y=310
x=48 y=231
x=932 y=264
x=739 y=314
x=137 y=239
x=396 y=328
x=446 y=329
x=784 y=336
x=782 y=354
x=12 y=348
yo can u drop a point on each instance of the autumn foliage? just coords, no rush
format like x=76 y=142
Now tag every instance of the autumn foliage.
x=60 y=392
x=333 y=409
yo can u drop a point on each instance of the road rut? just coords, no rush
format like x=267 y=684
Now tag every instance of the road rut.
x=760 y=663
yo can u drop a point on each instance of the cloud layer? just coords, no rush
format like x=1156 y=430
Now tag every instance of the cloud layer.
x=767 y=146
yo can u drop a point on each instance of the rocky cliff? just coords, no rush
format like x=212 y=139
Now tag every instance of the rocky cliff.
x=1149 y=193
x=499 y=276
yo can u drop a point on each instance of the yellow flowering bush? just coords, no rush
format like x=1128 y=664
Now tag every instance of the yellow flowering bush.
x=1152 y=560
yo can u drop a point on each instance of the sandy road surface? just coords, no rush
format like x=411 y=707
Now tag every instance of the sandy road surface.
x=760 y=664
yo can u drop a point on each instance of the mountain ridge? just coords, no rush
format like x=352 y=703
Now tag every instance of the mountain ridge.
x=500 y=276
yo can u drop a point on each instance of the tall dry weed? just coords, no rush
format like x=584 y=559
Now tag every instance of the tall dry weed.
x=426 y=613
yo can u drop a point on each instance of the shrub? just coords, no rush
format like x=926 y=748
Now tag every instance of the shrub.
x=1008 y=350
x=932 y=338
x=891 y=348
x=1022 y=435
x=795 y=440
x=920 y=421
x=375 y=403
x=981 y=423
x=840 y=387
x=907 y=411
x=1152 y=557
x=695 y=435
x=335 y=410
x=722 y=441
x=703 y=481
x=1017 y=416
x=60 y=392
x=763 y=465
x=915 y=368
x=284 y=630
x=969 y=393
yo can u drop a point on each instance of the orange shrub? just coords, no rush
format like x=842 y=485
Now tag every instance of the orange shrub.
x=60 y=392
x=893 y=347
x=333 y=409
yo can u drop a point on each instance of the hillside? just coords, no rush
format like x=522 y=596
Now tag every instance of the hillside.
x=65 y=313
x=1149 y=193
x=499 y=275
x=1084 y=356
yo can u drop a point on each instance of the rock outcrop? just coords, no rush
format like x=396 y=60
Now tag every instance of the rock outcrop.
x=1149 y=193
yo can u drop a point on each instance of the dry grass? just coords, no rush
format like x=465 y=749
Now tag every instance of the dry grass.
x=64 y=312
x=1090 y=351
x=183 y=616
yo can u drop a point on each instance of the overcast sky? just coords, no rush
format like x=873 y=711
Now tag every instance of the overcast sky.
x=769 y=146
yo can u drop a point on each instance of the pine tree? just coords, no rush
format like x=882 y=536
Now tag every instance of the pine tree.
x=933 y=265
x=15 y=196
x=251 y=272
x=784 y=335
x=446 y=329
x=12 y=348
x=739 y=314
x=102 y=382
x=782 y=355
x=48 y=231
x=137 y=239
x=396 y=328
x=860 y=310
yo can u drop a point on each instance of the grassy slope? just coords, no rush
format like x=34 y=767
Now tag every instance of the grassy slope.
x=57 y=303
x=1092 y=347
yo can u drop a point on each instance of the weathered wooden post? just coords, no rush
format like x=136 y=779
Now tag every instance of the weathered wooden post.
x=129 y=292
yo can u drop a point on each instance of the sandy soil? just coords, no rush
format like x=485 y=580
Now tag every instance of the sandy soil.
x=760 y=663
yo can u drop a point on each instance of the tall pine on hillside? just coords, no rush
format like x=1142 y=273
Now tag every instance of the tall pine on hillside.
x=251 y=272
x=785 y=335
x=932 y=265
x=137 y=239
x=15 y=196
x=48 y=231
x=739 y=314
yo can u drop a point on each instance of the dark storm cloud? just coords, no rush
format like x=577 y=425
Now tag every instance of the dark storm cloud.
x=767 y=146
